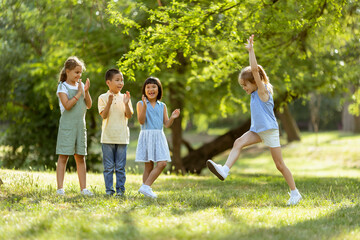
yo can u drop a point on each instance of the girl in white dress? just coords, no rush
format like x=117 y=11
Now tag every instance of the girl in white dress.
x=152 y=145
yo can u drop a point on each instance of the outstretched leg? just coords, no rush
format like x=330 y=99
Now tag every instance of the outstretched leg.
x=246 y=139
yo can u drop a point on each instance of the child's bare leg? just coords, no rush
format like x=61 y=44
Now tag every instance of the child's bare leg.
x=149 y=166
x=81 y=170
x=280 y=165
x=155 y=173
x=246 y=139
x=60 y=170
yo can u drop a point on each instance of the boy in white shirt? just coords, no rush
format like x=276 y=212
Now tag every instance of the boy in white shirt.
x=115 y=109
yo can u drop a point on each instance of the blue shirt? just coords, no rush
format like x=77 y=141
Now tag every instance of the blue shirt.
x=262 y=113
x=154 y=116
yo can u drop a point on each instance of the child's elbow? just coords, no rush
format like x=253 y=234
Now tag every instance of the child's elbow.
x=129 y=115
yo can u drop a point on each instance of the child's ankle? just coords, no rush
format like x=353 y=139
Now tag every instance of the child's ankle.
x=295 y=192
x=226 y=169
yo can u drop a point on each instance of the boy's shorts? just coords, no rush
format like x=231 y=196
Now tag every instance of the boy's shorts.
x=270 y=137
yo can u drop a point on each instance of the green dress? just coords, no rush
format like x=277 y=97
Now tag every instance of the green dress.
x=71 y=137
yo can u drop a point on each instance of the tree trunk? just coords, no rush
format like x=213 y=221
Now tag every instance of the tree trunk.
x=1 y=182
x=289 y=124
x=356 y=124
x=176 y=130
x=347 y=118
x=195 y=161
x=314 y=104
x=350 y=123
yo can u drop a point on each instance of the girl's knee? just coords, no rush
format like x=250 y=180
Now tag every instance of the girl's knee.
x=238 y=144
x=280 y=166
x=161 y=164
x=149 y=165
x=79 y=159
x=63 y=159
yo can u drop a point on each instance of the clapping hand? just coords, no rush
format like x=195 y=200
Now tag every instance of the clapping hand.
x=126 y=97
x=87 y=85
x=143 y=98
x=80 y=89
x=111 y=97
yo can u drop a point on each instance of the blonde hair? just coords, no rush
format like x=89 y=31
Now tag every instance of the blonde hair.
x=246 y=75
x=70 y=63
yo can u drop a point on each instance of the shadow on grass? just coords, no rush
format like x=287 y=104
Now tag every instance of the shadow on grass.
x=254 y=190
x=39 y=227
x=125 y=228
x=343 y=221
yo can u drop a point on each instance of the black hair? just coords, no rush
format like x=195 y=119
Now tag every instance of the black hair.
x=111 y=72
x=153 y=80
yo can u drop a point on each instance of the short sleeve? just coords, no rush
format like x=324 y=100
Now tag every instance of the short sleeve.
x=101 y=103
x=62 y=88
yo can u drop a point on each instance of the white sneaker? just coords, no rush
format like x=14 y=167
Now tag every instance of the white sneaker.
x=216 y=169
x=86 y=192
x=294 y=199
x=60 y=192
x=147 y=191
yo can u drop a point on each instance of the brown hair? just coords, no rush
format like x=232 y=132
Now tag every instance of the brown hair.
x=246 y=75
x=153 y=80
x=70 y=63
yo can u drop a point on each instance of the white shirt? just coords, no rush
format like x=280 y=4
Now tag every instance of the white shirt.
x=114 y=127
x=63 y=89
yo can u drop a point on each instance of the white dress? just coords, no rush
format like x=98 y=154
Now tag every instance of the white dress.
x=152 y=143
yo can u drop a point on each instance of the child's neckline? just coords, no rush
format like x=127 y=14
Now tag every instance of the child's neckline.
x=153 y=104
x=74 y=85
x=114 y=93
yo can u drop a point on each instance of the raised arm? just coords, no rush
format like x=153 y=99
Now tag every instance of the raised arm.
x=262 y=91
x=141 y=110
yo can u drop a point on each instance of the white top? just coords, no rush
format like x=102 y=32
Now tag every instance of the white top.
x=63 y=89
x=115 y=127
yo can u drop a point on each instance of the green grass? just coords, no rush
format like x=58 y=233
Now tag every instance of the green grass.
x=250 y=204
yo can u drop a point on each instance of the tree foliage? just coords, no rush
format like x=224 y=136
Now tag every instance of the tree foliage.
x=200 y=45
x=36 y=39
x=194 y=47
x=204 y=41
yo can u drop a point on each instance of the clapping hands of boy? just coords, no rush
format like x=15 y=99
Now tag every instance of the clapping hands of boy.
x=126 y=97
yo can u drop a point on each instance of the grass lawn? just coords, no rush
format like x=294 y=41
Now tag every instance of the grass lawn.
x=250 y=204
